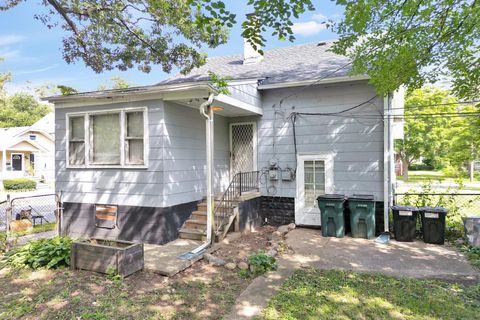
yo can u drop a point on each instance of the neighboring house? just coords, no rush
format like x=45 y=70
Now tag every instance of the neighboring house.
x=143 y=149
x=28 y=151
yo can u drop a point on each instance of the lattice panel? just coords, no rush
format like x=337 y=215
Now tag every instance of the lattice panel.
x=243 y=152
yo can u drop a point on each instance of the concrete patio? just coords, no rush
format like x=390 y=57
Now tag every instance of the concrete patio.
x=163 y=259
x=400 y=259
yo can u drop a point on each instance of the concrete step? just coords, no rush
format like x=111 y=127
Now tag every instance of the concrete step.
x=192 y=234
x=195 y=224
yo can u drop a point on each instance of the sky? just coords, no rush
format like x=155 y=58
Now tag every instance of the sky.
x=33 y=53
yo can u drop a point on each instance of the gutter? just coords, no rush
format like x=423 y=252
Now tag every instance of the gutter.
x=208 y=114
x=108 y=94
x=310 y=82
x=387 y=163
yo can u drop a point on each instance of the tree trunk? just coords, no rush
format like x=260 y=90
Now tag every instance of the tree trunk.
x=471 y=170
x=405 y=169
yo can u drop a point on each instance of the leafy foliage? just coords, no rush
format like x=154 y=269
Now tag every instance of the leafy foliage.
x=19 y=184
x=449 y=140
x=413 y=42
x=22 y=109
x=48 y=253
x=451 y=200
x=219 y=83
x=115 y=83
x=261 y=263
x=472 y=253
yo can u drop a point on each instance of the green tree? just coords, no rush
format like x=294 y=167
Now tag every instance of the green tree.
x=394 y=42
x=413 y=42
x=115 y=82
x=427 y=134
x=22 y=109
x=465 y=140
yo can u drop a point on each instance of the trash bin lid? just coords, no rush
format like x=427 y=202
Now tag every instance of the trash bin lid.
x=404 y=208
x=368 y=197
x=332 y=196
x=434 y=209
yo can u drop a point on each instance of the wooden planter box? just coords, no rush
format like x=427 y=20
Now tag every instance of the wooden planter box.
x=102 y=255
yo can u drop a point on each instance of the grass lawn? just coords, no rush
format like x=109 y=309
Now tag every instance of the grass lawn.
x=37 y=229
x=314 y=294
x=65 y=294
x=424 y=176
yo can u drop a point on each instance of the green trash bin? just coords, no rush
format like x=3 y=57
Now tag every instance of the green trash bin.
x=331 y=211
x=362 y=216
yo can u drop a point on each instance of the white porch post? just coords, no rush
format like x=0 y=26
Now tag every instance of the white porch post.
x=4 y=163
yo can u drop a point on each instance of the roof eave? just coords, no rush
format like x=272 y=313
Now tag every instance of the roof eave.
x=143 y=90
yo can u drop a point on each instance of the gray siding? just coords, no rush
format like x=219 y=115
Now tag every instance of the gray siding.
x=176 y=166
x=135 y=187
x=185 y=158
x=357 y=143
x=247 y=93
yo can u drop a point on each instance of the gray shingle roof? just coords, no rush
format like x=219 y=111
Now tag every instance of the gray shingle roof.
x=296 y=63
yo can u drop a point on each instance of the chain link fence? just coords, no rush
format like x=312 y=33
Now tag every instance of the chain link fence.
x=39 y=210
x=459 y=205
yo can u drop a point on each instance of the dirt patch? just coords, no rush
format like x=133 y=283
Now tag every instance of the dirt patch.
x=239 y=248
x=202 y=291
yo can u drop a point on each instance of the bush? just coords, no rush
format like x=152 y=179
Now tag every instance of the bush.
x=261 y=263
x=19 y=184
x=50 y=253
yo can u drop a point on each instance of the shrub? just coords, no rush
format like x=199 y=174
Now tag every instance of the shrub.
x=261 y=263
x=19 y=184
x=50 y=253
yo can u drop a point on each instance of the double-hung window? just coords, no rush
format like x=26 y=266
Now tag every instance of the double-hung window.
x=114 y=138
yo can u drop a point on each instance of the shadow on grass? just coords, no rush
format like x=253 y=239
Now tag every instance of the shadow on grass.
x=314 y=294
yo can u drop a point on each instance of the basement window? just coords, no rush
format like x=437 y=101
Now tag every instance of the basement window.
x=111 y=139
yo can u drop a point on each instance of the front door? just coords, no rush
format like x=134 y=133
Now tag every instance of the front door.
x=17 y=162
x=243 y=147
x=314 y=178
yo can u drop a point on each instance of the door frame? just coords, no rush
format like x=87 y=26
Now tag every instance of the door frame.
x=21 y=162
x=327 y=157
x=254 y=137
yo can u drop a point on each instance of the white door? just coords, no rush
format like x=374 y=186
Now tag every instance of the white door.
x=314 y=178
x=243 y=147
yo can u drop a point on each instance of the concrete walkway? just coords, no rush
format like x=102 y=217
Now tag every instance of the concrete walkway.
x=417 y=259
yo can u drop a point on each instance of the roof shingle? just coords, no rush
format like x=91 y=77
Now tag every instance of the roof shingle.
x=295 y=63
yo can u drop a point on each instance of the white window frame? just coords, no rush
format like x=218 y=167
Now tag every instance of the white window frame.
x=89 y=138
x=327 y=158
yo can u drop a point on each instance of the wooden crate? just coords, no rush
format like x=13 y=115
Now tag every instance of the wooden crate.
x=103 y=255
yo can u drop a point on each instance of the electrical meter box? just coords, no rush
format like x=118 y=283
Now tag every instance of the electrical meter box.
x=273 y=174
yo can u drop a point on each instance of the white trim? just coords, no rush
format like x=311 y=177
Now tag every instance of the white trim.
x=311 y=82
x=238 y=104
x=89 y=136
x=255 y=151
x=327 y=158
x=11 y=161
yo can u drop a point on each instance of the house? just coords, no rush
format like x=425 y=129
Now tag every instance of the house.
x=133 y=163
x=28 y=151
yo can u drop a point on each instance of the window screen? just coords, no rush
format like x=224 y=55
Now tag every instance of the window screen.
x=314 y=179
x=76 y=144
x=105 y=129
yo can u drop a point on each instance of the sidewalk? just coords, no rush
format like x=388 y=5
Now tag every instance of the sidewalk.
x=400 y=259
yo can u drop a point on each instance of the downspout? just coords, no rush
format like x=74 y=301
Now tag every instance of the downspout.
x=387 y=154
x=208 y=114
